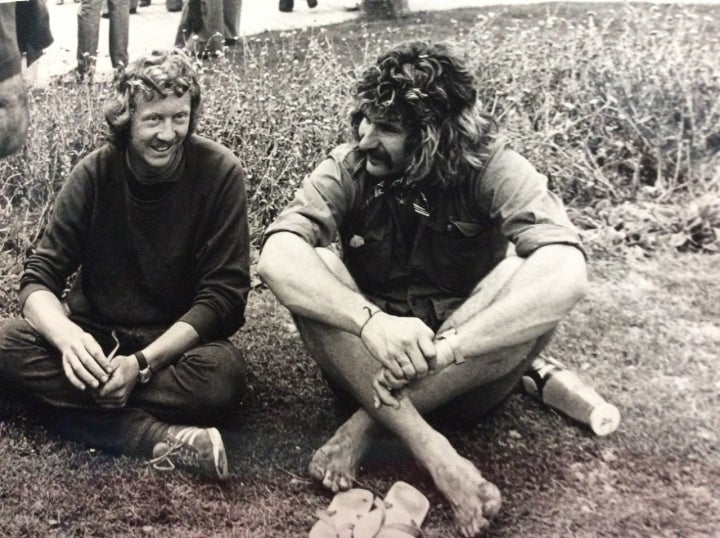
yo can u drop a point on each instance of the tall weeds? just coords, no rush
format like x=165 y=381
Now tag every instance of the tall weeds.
x=618 y=106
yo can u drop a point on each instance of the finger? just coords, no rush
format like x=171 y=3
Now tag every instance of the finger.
x=114 y=398
x=95 y=351
x=70 y=375
x=384 y=396
x=408 y=366
x=80 y=372
x=419 y=364
x=395 y=366
x=428 y=350
x=390 y=381
x=110 y=388
x=90 y=365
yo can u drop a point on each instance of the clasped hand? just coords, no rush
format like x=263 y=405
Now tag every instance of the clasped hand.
x=110 y=379
x=404 y=347
x=407 y=350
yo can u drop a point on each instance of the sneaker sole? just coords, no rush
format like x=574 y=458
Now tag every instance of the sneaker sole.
x=219 y=456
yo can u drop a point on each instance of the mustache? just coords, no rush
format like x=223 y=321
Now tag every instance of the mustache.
x=379 y=154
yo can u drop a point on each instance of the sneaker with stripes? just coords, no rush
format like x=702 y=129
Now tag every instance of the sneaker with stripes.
x=197 y=450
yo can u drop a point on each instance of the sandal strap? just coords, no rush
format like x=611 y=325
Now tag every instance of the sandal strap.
x=409 y=529
x=326 y=517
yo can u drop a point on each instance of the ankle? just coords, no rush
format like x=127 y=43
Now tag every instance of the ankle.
x=155 y=433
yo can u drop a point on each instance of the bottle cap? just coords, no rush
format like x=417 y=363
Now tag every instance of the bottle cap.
x=604 y=419
x=530 y=386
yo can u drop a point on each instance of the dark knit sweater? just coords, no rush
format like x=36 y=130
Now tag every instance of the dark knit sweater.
x=182 y=257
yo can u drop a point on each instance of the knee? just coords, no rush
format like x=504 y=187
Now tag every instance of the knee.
x=17 y=333
x=226 y=377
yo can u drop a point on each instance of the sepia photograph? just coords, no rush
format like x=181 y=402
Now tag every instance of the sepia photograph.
x=359 y=268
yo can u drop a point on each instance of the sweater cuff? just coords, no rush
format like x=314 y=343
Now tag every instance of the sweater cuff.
x=204 y=320
x=27 y=290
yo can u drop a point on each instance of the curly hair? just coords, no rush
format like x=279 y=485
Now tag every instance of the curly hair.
x=428 y=88
x=159 y=74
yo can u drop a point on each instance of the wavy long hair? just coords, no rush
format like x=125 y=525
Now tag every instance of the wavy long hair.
x=430 y=90
x=159 y=74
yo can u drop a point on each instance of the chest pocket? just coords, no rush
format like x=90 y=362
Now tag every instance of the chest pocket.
x=368 y=256
x=461 y=254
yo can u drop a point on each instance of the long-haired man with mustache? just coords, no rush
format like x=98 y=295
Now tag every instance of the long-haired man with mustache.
x=456 y=264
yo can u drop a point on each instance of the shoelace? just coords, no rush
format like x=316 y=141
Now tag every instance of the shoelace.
x=185 y=456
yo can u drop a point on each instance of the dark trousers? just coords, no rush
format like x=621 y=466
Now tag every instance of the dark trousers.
x=200 y=387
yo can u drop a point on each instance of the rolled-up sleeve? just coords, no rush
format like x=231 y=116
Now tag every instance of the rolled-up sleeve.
x=517 y=196
x=319 y=205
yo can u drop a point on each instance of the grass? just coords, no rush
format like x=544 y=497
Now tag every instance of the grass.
x=655 y=476
x=619 y=107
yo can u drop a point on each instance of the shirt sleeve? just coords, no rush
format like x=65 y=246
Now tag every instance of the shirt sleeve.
x=222 y=264
x=516 y=195
x=317 y=210
x=61 y=249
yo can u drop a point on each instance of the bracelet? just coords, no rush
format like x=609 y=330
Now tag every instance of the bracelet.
x=370 y=315
x=451 y=337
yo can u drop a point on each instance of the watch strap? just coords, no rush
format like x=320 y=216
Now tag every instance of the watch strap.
x=142 y=361
x=451 y=337
x=144 y=370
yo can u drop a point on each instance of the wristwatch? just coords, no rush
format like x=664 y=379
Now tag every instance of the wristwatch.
x=451 y=337
x=144 y=372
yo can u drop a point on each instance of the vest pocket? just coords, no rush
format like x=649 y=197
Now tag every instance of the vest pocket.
x=462 y=255
x=368 y=257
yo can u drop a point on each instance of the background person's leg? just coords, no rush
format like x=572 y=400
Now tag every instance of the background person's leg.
x=212 y=34
x=119 y=31
x=231 y=14
x=88 y=30
x=173 y=5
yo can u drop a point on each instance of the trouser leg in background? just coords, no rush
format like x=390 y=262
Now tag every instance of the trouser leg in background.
x=88 y=30
x=204 y=19
x=201 y=387
x=119 y=31
x=231 y=15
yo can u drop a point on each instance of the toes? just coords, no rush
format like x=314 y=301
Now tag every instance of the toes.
x=330 y=481
x=316 y=469
x=491 y=497
x=474 y=528
x=344 y=482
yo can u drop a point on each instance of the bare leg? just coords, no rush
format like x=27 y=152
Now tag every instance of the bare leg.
x=344 y=357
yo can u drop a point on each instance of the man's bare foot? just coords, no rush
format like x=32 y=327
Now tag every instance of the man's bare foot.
x=473 y=499
x=335 y=463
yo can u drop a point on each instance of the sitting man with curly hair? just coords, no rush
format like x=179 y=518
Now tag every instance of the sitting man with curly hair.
x=135 y=356
x=456 y=263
